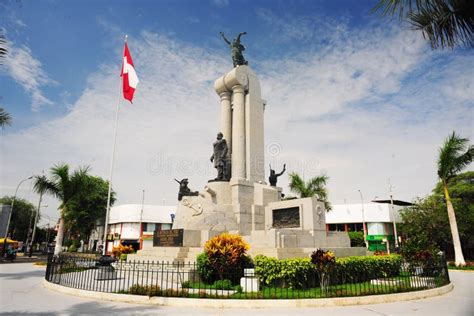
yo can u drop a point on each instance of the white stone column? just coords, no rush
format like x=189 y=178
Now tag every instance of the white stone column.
x=238 y=133
x=226 y=118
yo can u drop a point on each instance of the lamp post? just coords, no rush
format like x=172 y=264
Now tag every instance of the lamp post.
x=11 y=211
x=363 y=218
x=393 y=214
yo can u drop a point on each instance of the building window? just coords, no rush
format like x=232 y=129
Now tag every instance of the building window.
x=336 y=227
x=354 y=227
x=149 y=227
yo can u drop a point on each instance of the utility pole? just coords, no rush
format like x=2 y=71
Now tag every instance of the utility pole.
x=141 y=219
x=393 y=214
x=34 y=226
x=363 y=219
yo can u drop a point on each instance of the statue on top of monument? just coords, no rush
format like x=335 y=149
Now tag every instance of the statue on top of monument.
x=273 y=176
x=237 y=49
x=220 y=158
x=184 y=190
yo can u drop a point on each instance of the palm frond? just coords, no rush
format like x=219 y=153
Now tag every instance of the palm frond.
x=43 y=185
x=297 y=184
x=464 y=160
x=453 y=156
x=445 y=23
x=392 y=7
x=317 y=182
x=3 y=48
x=5 y=118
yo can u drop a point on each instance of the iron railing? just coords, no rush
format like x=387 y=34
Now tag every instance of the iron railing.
x=182 y=280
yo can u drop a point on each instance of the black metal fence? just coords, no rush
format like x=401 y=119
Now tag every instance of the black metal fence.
x=169 y=279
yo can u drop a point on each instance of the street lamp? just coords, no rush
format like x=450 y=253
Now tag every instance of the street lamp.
x=11 y=212
x=363 y=218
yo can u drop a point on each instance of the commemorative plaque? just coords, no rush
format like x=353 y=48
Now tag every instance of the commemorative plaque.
x=168 y=238
x=286 y=217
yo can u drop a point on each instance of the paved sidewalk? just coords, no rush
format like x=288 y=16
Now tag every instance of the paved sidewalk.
x=21 y=292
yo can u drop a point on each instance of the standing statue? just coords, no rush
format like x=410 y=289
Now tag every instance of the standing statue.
x=184 y=190
x=221 y=159
x=236 y=49
x=273 y=176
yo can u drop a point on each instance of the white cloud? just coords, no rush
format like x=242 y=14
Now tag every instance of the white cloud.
x=27 y=71
x=220 y=3
x=360 y=110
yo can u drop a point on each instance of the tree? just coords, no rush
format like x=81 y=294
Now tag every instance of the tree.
x=20 y=219
x=426 y=223
x=66 y=187
x=444 y=23
x=454 y=156
x=5 y=118
x=87 y=207
x=313 y=187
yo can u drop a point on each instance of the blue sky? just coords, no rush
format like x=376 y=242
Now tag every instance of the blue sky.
x=351 y=95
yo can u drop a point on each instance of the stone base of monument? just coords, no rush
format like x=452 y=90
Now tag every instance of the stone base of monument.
x=280 y=229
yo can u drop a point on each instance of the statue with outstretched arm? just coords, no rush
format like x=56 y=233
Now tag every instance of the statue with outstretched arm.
x=274 y=176
x=236 y=48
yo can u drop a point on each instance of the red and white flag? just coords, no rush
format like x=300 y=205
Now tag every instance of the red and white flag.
x=130 y=78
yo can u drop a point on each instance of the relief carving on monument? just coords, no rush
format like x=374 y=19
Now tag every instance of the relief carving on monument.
x=286 y=217
x=197 y=208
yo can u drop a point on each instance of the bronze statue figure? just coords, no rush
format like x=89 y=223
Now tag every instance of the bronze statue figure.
x=220 y=158
x=184 y=190
x=237 y=49
x=273 y=176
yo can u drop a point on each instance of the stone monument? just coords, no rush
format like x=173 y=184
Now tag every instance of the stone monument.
x=240 y=201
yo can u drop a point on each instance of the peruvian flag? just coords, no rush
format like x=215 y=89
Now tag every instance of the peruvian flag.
x=129 y=76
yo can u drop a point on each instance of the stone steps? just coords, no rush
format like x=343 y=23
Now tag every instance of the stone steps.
x=167 y=254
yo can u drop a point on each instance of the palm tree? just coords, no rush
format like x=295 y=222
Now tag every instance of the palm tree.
x=313 y=187
x=445 y=23
x=454 y=155
x=65 y=187
x=5 y=118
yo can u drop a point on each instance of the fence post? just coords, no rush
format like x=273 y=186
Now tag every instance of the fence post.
x=49 y=265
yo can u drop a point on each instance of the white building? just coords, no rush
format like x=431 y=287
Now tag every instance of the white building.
x=134 y=224
x=378 y=216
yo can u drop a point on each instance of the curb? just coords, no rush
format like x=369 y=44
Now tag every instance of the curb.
x=252 y=303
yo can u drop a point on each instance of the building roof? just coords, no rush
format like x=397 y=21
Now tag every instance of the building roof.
x=132 y=213
x=373 y=213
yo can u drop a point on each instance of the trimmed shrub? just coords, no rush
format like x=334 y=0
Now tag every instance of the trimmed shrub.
x=361 y=269
x=223 y=285
x=301 y=273
x=292 y=273
x=207 y=273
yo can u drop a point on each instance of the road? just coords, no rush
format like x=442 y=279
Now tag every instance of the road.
x=22 y=293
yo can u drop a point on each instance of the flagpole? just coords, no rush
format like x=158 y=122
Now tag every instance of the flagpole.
x=104 y=246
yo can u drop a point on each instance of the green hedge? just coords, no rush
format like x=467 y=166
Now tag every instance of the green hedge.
x=301 y=273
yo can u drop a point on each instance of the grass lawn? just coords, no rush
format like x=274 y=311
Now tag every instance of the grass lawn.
x=343 y=290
